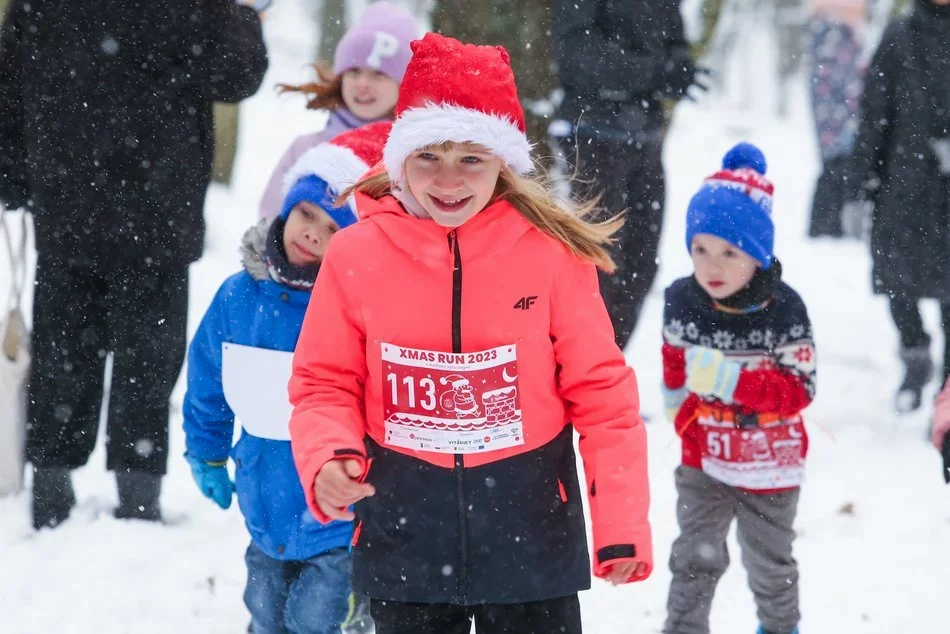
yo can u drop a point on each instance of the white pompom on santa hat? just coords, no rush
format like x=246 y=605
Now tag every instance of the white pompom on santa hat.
x=460 y=93
x=341 y=161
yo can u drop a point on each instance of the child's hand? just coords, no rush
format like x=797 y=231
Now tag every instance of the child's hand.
x=213 y=480
x=338 y=486
x=709 y=373
x=622 y=571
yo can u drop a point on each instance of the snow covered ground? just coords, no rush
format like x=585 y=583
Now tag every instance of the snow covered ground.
x=874 y=521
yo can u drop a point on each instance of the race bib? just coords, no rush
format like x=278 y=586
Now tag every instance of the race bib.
x=451 y=402
x=255 y=387
x=758 y=458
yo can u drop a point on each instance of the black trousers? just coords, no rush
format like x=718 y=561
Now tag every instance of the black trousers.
x=80 y=314
x=906 y=315
x=554 y=616
x=629 y=175
x=829 y=198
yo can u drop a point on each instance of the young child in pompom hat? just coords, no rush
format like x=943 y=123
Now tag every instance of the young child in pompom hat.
x=455 y=340
x=298 y=570
x=360 y=87
x=738 y=369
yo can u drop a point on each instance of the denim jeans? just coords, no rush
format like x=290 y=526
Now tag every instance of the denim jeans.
x=297 y=597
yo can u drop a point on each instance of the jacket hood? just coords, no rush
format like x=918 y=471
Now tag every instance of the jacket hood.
x=252 y=250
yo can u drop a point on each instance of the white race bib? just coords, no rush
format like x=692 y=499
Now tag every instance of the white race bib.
x=255 y=387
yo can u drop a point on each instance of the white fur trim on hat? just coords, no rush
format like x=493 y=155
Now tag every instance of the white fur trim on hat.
x=338 y=166
x=433 y=124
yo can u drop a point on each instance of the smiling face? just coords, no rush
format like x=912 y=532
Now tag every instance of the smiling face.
x=306 y=234
x=368 y=93
x=453 y=181
x=722 y=269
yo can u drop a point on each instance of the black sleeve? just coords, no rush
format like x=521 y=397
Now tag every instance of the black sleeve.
x=220 y=50
x=238 y=59
x=13 y=183
x=876 y=118
x=589 y=61
x=678 y=68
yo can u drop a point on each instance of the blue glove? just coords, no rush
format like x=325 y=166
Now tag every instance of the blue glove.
x=709 y=373
x=213 y=480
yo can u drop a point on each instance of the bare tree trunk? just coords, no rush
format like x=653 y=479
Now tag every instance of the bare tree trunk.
x=523 y=27
x=332 y=27
x=226 y=116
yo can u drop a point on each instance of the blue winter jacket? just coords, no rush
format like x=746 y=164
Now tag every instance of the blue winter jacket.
x=252 y=309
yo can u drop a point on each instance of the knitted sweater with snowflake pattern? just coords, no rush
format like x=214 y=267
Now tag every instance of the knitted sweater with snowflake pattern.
x=774 y=345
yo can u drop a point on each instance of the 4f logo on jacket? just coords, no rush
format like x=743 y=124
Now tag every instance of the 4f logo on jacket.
x=526 y=302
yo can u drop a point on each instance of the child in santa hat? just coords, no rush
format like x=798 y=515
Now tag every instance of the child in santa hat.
x=359 y=87
x=738 y=369
x=455 y=341
x=239 y=365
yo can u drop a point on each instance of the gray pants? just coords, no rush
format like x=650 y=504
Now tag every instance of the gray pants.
x=705 y=511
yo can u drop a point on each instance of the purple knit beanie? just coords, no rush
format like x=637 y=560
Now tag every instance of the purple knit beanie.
x=379 y=40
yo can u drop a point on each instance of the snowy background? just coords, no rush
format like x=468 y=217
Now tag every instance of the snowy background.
x=874 y=520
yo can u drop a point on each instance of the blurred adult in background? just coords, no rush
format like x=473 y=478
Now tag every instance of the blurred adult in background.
x=617 y=62
x=106 y=130
x=902 y=165
x=836 y=28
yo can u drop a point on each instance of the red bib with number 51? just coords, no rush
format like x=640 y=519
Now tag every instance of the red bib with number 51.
x=446 y=402
x=767 y=457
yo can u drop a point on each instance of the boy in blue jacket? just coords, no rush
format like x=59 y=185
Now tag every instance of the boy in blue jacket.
x=238 y=366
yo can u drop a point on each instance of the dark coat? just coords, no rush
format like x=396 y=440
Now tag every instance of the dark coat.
x=106 y=120
x=617 y=60
x=904 y=111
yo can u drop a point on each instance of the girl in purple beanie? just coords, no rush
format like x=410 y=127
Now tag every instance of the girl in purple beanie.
x=359 y=88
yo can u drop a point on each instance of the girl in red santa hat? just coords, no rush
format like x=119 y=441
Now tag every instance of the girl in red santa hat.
x=455 y=340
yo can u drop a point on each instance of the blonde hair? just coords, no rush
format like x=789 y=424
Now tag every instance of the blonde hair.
x=534 y=198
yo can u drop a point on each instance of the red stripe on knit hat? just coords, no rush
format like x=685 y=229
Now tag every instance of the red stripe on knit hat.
x=748 y=181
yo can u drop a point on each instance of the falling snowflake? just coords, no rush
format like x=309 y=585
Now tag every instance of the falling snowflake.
x=723 y=339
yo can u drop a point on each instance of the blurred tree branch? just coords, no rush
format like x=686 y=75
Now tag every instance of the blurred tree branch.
x=523 y=27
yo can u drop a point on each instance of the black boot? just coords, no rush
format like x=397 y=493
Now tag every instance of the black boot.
x=138 y=496
x=53 y=496
x=918 y=370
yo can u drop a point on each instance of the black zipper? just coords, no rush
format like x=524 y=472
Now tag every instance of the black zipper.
x=462 y=589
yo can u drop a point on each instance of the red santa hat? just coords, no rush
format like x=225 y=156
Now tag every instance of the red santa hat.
x=462 y=93
x=341 y=161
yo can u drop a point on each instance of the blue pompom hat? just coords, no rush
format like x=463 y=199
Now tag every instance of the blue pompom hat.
x=735 y=204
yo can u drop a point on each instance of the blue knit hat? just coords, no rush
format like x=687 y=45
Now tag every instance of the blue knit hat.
x=735 y=204
x=313 y=189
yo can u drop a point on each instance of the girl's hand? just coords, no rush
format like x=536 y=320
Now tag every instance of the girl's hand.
x=621 y=571
x=337 y=487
